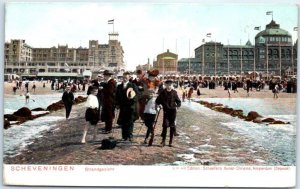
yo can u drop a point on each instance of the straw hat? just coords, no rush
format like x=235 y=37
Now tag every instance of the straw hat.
x=130 y=93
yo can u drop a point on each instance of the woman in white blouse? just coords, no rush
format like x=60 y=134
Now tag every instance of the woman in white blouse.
x=91 y=114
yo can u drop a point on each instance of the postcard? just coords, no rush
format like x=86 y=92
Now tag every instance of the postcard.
x=150 y=94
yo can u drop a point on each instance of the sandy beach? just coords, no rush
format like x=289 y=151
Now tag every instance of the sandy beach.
x=203 y=139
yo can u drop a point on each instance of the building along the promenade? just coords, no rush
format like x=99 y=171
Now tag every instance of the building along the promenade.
x=24 y=60
x=272 y=54
x=166 y=63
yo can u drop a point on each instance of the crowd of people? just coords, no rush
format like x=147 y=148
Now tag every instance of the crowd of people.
x=233 y=84
x=127 y=101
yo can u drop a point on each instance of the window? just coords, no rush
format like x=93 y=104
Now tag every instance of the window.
x=262 y=51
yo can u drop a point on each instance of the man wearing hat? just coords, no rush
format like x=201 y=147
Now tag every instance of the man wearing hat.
x=68 y=100
x=108 y=100
x=170 y=101
x=140 y=83
x=126 y=100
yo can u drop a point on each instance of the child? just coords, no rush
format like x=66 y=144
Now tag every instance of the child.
x=170 y=101
x=91 y=114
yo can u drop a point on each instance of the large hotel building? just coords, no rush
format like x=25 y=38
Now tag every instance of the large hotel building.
x=273 y=54
x=24 y=60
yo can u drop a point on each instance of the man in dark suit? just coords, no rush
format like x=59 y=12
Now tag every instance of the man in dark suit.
x=108 y=100
x=126 y=100
x=139 y=81
x=68 y=99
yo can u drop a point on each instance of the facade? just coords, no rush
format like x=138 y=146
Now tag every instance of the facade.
x=16 y=54
x=189 y=66
x=166 y=63
x=275 y=52
x=22 y=59
x=144 y=67
x=272 y=54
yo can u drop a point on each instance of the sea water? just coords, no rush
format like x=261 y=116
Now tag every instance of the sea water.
x=17 y=137
x=279 y=140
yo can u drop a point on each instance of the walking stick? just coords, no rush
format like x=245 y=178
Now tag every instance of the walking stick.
x=152 y=133
x=114 y=122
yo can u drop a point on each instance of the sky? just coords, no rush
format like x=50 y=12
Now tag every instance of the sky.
x=145 y=29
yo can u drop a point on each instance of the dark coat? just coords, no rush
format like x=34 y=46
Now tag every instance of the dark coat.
x=169 y=100
x=141 y=86
x=108 y=100
x=68 y=98
x=128 y=108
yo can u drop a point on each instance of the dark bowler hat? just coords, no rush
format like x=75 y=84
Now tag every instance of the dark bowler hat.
x=139 y=72
x=95 y=83
x=153 y=73
x=127 y=73
x=168 y=82
x=107 y=72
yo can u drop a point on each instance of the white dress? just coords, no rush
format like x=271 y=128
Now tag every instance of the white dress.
x=92 y=102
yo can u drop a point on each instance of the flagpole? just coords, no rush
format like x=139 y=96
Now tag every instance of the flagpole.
x=228 y=59
x=176 y=46
x=279 y=60
x=215 y=58
x=163 y=66
x=189 y=57
x=254 y=62
x=241 y=59
x=203 y=60
x=209 y=35
x=254 y=55
x=292 y=58
x=267 y=62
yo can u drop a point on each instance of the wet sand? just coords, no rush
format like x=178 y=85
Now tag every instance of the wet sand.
x=8 y=88
x=209 y=144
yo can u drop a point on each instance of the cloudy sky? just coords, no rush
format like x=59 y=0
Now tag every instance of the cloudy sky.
x=145 y=29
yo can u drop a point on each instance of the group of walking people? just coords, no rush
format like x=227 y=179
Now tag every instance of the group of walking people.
x=133 y=99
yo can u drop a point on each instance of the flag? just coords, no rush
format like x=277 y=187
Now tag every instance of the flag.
x=208 y=35
x=203 y=40
x=257 y=28
x=295 y=28
x=111 y=21
x=269 y=13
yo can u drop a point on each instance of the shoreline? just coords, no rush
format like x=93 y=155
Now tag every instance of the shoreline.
x=60 y=144
x=63 y=145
